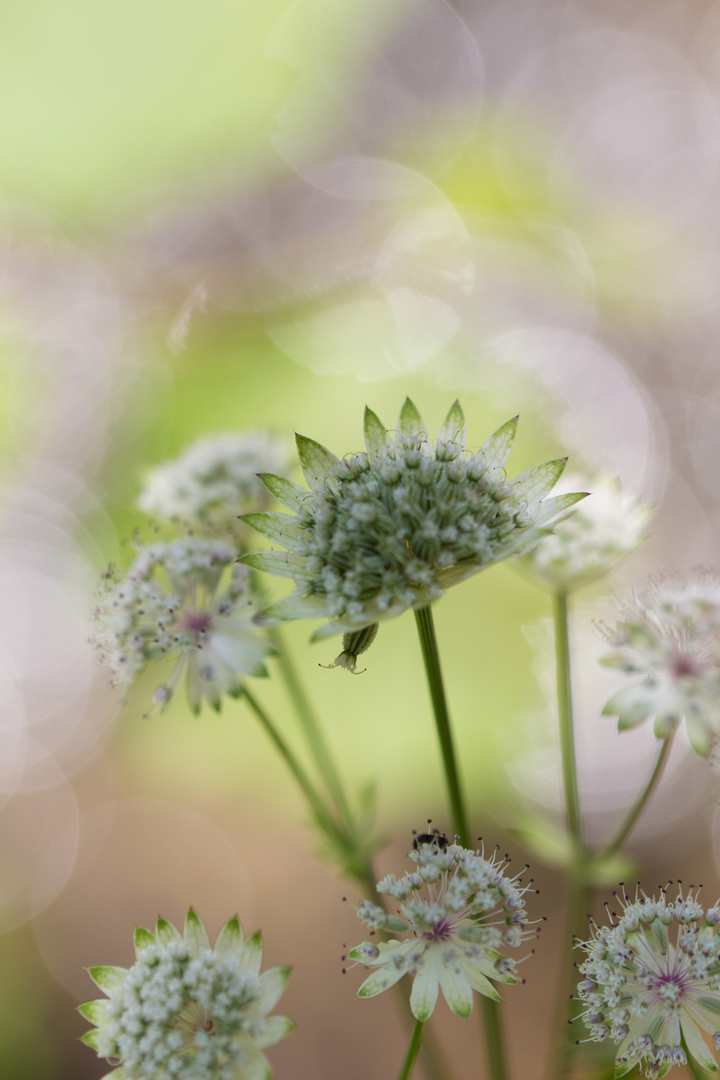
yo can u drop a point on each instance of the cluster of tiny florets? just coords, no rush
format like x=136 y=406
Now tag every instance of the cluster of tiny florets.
x=650 y=988
x=178 y=1015
x=213 y=480
x=588 y=543
x=669 y=635
x=394 y=526
x=187 y=598
x=462 y=910
x=185 y=1010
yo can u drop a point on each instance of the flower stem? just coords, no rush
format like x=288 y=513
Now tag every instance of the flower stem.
x=412 y=1050
x=428 y=642
x=311 y=728
x=579 y=892
x=638 y=806
x=565 y=719
x=431 y=656
x=321 y=812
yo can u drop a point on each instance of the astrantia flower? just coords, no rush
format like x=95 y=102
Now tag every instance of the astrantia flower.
x=652 y=981
x=392 y=527
x=186 y=1011
x=188 y=599
x=588 y=543
x=669 y=635
x=470 y=912
x=213 y=481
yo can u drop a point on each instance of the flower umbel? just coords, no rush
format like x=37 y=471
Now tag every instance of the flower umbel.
x=213 y=480
x=470 y=913
x=652 y=983
x=588 y=543
x=187 y=1011
x=188 y=599
x=394 y=526
x=669 y=634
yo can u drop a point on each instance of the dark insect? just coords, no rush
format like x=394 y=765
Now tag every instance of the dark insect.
x=437 y=839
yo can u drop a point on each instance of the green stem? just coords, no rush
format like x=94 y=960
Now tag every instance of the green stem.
x=431 y=1055
x=306 y=785
x=579 y=900
x=565 y=719
x=579 y=892
x=431 y=656
x=428 y=642
x=638 y=806
x=412 y=1050
x=432 y=1058
x=311 y=728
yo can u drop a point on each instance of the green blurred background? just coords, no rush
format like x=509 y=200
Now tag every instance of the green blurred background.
x=232 y=215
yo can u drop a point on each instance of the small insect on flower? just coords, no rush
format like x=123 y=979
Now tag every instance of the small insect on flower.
x=186 y=1010
x=651 y=982
x=213 y=481
x=190 y=600
x=668 y=634
x=471 y=913
x=392 y=527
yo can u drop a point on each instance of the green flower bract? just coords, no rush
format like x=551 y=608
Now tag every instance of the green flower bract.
x=394 y=526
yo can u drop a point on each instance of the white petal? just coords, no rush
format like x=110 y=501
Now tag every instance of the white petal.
x=456 y=988
x=425 y=987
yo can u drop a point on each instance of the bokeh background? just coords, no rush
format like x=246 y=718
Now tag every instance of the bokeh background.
x=233 y=215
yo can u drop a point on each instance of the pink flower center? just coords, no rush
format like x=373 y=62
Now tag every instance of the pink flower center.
x=196 y=622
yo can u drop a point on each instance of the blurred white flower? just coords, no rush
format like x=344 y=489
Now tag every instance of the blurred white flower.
x=669 y=635
x=190 y=599
x=590 y=541
x=213 y=481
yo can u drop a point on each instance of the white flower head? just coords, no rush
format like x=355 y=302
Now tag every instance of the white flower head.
x=394 y=526
x=669 y=635
x=586 y=544
x=185 y=1010
x=463 y=912
x=213 y=481
x=652 y=982
x=189 y=599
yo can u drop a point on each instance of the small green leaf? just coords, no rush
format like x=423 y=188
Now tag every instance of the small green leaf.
x=297 y=606
x=230 y=939
x=95 y=1012
x=252 y=953
x=550 y=508
x=166 y=932
x=496 y=450
x=143 y=938
x=534 y=484
x=395 y=925
x=109 y=979
x=90 y=1038
x=454 y=428
x=285 y=491
x=411 y=422
x=699 y=734
x=280 y=563
x=281 y=528
x=195 y=932
x=316 y=460
x=659 y=932
x=376 y=437
x=696 y=1044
